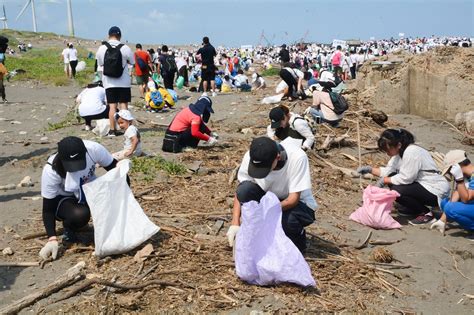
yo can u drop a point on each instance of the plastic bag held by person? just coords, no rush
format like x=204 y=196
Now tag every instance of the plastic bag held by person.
x=119 y=222
x=375 y=211
x=264 y=255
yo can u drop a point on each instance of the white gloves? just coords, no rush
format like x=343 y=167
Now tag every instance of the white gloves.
x=439 y=225
x=212 y=141
x=231 y=233
x=364 y=170
x=51 y=248
x=214 y=135
x=456 y=171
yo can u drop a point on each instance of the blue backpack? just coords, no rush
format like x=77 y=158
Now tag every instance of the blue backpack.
x=156 y=98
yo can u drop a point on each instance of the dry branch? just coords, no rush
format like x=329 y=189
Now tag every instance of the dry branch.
x=71 y=276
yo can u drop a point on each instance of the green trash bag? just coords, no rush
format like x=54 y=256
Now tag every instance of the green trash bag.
x=180 y=82
x=157 y=78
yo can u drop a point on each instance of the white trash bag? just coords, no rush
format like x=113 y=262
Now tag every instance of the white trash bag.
x=264 y=255
x=281 y=87
x=119 y=221
x=273 y=99
x=102 y=127
x=81 y=66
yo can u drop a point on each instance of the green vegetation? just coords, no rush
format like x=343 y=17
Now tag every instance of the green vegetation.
x=149 y=166
x=270 y=72
x=46 y=66
x=69 y=120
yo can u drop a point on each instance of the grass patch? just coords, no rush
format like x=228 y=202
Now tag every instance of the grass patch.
x=70 y=119
x=148 y=167
x=46 y=66
x=270 y=72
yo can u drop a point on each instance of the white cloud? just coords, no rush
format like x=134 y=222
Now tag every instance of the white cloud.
x=158 y=16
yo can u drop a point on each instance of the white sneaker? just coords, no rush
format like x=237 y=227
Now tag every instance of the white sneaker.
x=87 y=128
x=214 y=94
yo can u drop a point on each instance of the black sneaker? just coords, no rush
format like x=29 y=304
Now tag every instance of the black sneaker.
x=70 y=236
x=111 y=133
x=423 y=219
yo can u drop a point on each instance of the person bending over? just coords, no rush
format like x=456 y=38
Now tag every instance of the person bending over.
x=282 y=169
x=61 y=188
x=460 y=208
x=411 y=172
x=189 y=127
x=288 y=124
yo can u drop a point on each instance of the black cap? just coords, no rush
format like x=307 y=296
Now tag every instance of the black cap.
x=283 y=46
x=72 y=154
x=115 y=30
x=276 y=115
x=263 y=151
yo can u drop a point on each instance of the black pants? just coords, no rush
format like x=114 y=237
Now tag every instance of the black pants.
x=186 y=139
x=293 y=220
x=168 y=80
x=353 y=72
x=73 y=64
x=183 y=72
x=104 y=114
x=2 y=90
x=286 y=76
x=415 y=198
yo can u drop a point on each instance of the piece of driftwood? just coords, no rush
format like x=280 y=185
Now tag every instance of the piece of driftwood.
x=71 y=276
x=365 y=242
x=40 y=234
x=20 y=264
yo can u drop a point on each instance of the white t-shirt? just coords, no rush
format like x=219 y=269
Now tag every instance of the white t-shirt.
x=132 y=131
x=127 y=59
x=53 y=185
x=92 y=101
x=180 y=62
x=293 y=177
x=65 y=54
x=241 y=79
x=72 y=54
x=300 y=125
x=417 y=165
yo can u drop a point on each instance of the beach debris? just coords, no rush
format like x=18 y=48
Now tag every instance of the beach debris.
x=8 y=187
x=382 y=255
x=247 y=131
x=143 y=253
x=7 y=251
x=26 y=182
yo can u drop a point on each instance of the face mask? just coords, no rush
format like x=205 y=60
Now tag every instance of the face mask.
x=283 y=157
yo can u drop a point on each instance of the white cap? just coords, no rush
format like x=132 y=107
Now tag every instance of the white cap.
x=125 y=114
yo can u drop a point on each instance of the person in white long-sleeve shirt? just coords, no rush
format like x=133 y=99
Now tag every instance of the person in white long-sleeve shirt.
x=411 y=172
x=288 y=124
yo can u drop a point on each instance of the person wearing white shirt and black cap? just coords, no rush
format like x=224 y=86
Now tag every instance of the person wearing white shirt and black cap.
x=288 y=124
x=282 y=169
x=61 y=188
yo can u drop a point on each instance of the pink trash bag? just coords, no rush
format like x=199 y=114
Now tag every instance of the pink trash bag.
x=264 y=255
x=375 y=211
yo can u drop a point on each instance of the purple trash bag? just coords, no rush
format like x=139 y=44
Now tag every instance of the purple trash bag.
x=375 y=211
x=264 y=255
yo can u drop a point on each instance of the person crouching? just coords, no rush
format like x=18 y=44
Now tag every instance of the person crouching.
x=189 y=127
x=132 y=145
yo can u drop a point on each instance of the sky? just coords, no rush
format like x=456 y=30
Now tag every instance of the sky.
x=239 y=22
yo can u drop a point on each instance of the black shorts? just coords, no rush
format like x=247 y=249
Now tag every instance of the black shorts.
x=118 y=95
x=208 y=74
